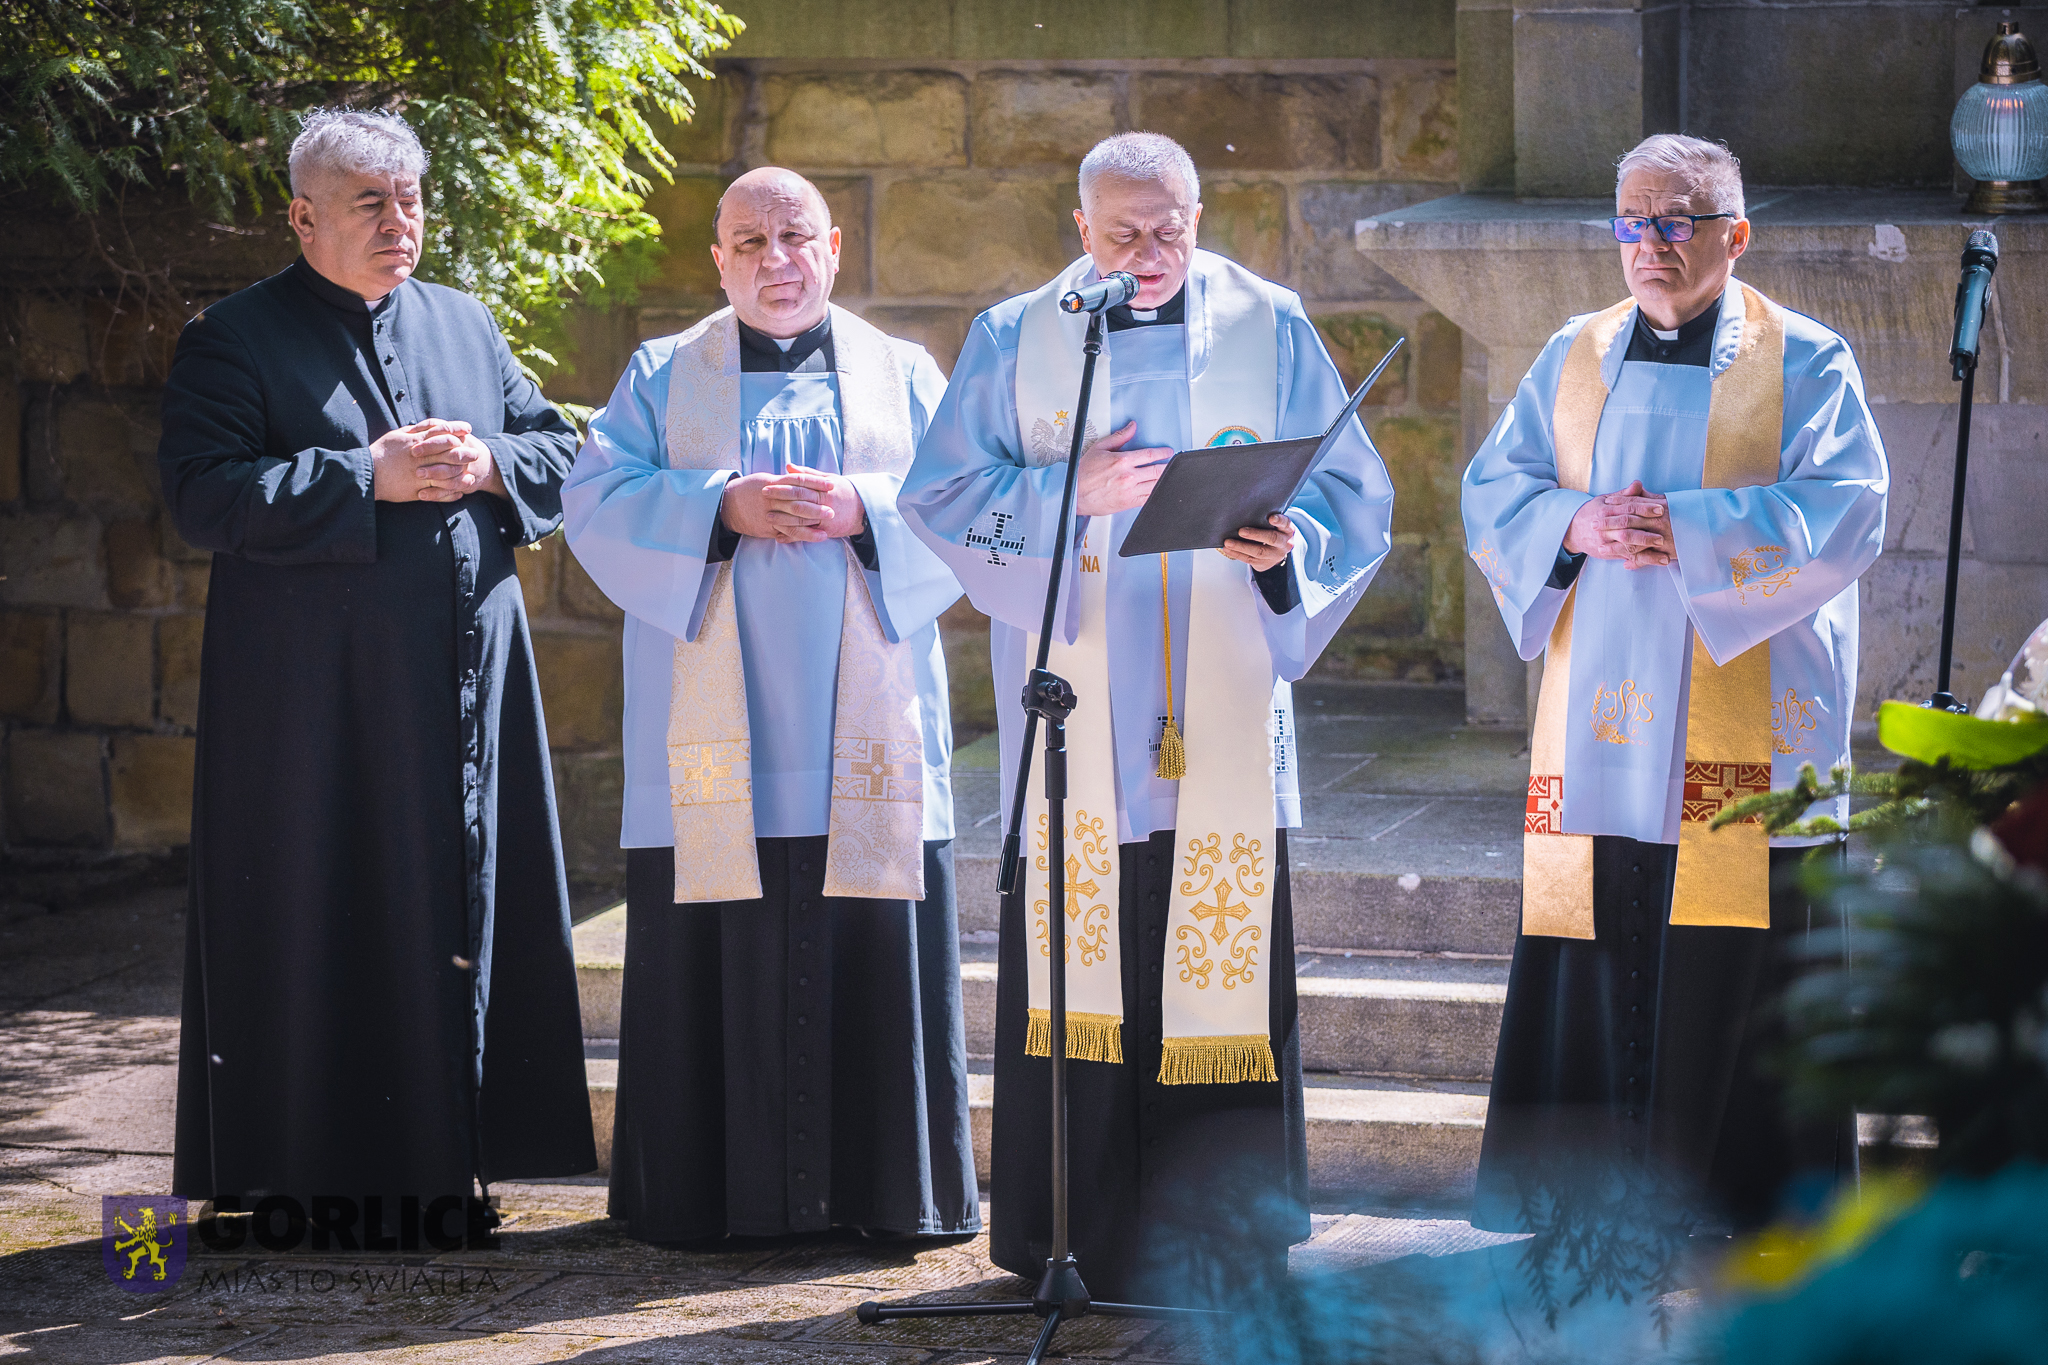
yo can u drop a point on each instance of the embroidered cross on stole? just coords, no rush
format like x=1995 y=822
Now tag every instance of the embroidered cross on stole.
x=1214 y=1006
x=1723 y=876
x=875 y=844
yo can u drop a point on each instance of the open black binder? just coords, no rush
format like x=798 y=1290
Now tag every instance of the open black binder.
x=1206 y=495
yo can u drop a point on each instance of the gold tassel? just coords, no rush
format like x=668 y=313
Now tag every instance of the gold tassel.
x=1090 y=1037
x=1223 y=1060
x=1173 y=755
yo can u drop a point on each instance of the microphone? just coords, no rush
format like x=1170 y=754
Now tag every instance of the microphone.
x=1120 y=287
x=1980 y=258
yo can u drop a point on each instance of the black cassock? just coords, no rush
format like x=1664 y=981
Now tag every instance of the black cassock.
x=1178 y=1193
x=793 y=1063
x=380 y=997
x=1646 y=1053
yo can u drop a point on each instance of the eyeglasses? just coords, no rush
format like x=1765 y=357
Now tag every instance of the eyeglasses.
x=1672 y=227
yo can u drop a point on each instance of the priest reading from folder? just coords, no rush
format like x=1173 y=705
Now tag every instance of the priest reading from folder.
x=793 y=1054
x=1673 y=511
x=1189 y=1167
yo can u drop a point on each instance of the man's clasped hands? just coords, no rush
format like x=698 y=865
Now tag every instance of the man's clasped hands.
x=432 y=461
x=798 y=506
x=1632 y=526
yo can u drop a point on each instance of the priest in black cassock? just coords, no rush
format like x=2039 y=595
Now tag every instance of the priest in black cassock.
x=380 y=1000
x=792 y=1050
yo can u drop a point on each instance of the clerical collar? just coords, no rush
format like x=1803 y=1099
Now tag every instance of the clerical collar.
x=1693 y=345
x=808 y=351
x=328 y=292
x=1172 y=313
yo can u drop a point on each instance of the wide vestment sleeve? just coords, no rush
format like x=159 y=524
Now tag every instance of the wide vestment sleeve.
x=1753 y=561
x=909 y=585
x=535 y=450
x=640 y=529
x=972 y=496
x=311 y=506
x=1343 y=512
x=1515 y=513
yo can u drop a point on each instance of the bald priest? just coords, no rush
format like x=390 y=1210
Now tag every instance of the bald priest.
x=1673 y=511
x=1190 y=1161
x=793 y=1052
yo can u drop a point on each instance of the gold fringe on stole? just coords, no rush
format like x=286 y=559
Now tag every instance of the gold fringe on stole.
x=1217 y=1061
x=1090 y=1037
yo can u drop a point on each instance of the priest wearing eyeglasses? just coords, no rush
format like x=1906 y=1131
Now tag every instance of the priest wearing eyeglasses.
x=1673 y=513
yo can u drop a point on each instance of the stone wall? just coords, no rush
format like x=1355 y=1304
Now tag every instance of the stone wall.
x=101 y=604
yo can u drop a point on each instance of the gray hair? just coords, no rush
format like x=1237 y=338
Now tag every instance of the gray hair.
x=1141 y=157
x=1711 y=172
x=359 y=141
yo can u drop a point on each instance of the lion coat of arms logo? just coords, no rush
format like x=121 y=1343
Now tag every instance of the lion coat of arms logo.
x=142 y=1240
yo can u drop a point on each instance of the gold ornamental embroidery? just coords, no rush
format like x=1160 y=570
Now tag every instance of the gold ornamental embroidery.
x=1087 y=859
x=1617 y=711
x=1791 y=721
x=1761 y=570
x=1219 y=895
x=1488 y=560
x=712 y=774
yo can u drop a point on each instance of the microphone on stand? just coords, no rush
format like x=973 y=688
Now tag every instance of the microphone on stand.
x=1980 y=258
x=1120 y=287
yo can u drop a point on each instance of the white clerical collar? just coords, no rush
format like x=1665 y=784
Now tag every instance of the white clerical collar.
x=1657 y=332
x=783 y=344
x=1144 y=314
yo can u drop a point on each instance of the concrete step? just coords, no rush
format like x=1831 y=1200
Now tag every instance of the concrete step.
x=1396 y=1017
x=1376 y=1014
x=1404 y=1145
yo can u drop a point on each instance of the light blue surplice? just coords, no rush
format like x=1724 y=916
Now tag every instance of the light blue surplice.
x=643 y=532
x=1635 y=627
x=971 y=496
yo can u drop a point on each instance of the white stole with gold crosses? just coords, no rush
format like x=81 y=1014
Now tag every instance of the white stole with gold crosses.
x=1215 y=999
x=875 y=845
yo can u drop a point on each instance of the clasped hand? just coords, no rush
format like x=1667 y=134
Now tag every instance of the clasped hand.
x=1632 y=526
x=800 y=506
x=432 y=461
x=1114 y=480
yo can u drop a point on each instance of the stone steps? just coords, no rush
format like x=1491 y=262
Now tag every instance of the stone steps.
x=1421 y=1028
x=1403 y=1145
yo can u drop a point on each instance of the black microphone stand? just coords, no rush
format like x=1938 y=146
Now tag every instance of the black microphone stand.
x=1061 y=1296
x=1963 y=363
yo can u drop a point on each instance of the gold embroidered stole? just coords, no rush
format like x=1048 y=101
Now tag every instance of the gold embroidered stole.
x=1215 y=994
x=1723 y=876
x=875 y=843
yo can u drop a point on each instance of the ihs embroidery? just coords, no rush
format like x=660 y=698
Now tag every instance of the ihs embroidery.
x=992 y=539
x=1761 y=570
x=1618 y=711
x=1791 y=721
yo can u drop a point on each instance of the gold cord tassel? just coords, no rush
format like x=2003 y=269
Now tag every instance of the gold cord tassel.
x=1173 y=755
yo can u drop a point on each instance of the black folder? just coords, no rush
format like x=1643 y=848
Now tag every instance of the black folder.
x=1206 y=495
